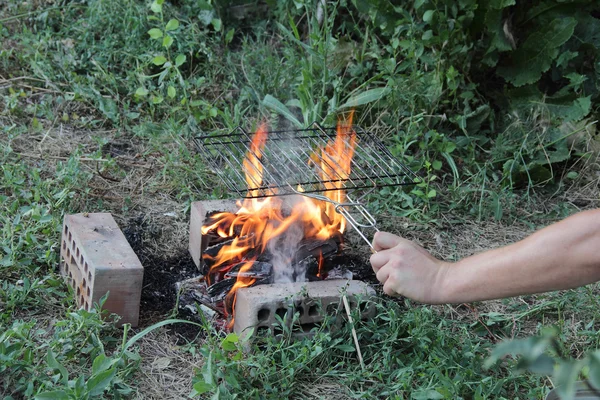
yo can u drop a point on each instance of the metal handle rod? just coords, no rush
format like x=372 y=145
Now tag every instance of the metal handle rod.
x=341 y=208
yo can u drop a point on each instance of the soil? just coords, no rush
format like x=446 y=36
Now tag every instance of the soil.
x=161 y=273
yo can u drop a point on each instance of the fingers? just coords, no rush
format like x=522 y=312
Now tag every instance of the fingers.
x=378 y=260
x=383 y=275
x=387 y=289
x=385 y=240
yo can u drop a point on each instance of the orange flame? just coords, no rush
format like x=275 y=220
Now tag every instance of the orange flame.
x=260 y=221
x=320 y=262
x=253 y=169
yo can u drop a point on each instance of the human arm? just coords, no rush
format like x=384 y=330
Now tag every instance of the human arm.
x=564 y=255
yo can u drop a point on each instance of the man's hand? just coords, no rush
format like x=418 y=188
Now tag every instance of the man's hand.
x=407 y=269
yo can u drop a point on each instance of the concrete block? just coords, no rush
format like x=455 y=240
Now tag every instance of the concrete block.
x=199 y=211
x=256 y=307
x=96 y=258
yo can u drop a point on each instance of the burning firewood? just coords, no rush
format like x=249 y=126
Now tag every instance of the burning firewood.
x=283 y=238
x=218 y=291
x=258 y=269
x=315 y=248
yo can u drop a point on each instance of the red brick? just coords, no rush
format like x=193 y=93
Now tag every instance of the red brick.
x=96 y=258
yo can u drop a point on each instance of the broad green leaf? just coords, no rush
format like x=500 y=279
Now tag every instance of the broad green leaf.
x=159 y=60
x=202 y=387
x=216 y=23
x=368 y=96
x=588 y=30
x=172 y=25
x=171 y=92
x=79 y=385
x=156 y=6
x=108 y=107
x=348 y=348
x=155 y=33
x=167 y=41
x=277 y=106
x=157 y=99
x=431 y=194
x=565 y=378
x=531 y=348
x=228 y=346
x=101 y=363
x=97 y=384
x=495 y=25
x=229 y=35
x=418 y=4
x=575 y=79
x=567 y=109
x=427 y=394
x=141 y=91
x=56 y=395
x=230 y=341
x=536 y=54
x=428 y=15
x=437 y=165
x=52 y=363
x=198 y=103
x=594 y=372
x=179 y=60
x=564 y=58
x=543 y=365
x=207 y=370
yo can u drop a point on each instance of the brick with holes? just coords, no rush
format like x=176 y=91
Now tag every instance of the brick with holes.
x=97 y=258
x=257 y=307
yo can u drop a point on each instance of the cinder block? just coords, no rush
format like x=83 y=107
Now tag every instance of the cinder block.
x=96 y=258
x=198 y=214
x=257 y=306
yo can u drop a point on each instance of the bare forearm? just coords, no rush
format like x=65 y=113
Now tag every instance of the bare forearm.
x=562 y=256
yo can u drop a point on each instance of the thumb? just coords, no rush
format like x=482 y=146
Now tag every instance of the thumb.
x=385 y=240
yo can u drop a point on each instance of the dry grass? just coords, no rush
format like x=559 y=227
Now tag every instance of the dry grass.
x=323 y=389
x=166 y=370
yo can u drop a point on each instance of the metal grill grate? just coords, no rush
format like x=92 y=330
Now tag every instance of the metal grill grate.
x=286 y=162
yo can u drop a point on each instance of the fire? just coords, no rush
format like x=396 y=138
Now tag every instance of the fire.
x=336 y=161
x=261 y=221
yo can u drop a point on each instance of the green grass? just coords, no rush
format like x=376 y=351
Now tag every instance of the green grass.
x=78 y=80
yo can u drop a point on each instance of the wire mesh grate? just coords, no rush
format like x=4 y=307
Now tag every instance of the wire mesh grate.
x=292 y=158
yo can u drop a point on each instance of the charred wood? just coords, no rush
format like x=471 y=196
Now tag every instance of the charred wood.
x=253 y=269
x=315 y=248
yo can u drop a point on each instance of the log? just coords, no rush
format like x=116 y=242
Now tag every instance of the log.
x=315 y=248
x=218 y=291
x=258 y=269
